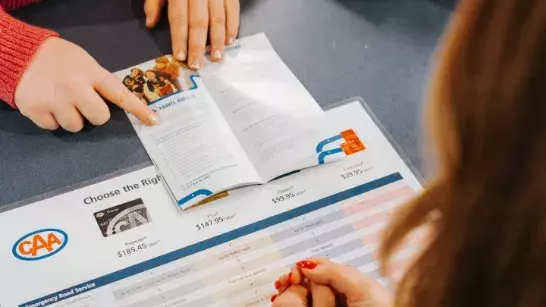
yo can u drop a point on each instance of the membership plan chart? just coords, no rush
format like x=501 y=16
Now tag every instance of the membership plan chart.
x=240 y=272
x=134 y=248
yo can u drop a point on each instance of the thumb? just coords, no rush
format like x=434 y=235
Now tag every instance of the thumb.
x=322 y=296
x=294 y=296
x=152 y=9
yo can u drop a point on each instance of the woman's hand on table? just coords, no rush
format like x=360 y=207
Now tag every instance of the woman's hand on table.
x=191 y=21
x=63 y=84
x=320 y=282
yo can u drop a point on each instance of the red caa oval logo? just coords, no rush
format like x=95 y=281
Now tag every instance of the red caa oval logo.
x=40 y=244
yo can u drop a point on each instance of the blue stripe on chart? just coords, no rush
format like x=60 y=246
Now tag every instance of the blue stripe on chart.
x=322 y=156
x=193 y=195
x=321 y=144
x=221 y=239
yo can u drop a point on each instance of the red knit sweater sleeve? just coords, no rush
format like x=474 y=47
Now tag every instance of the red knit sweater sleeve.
x=13 y=4
x=18 y=43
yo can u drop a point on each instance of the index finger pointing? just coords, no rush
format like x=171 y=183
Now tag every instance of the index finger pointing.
x=112 y=89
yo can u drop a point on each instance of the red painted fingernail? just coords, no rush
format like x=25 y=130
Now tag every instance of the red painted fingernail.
x=307 y=264
x=277 y=284
x=273 y=298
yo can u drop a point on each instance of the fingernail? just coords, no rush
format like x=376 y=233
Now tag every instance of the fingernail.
x=307 y=264
x=148 y=21
x=290 y=279
x=153 y=119
x=277 y=284
x=217 y=54
x=181 y=55
x=196 y=65
x=230 y=40
x=273 y=298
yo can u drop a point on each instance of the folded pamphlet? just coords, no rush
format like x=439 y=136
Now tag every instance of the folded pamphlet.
x=244 y=121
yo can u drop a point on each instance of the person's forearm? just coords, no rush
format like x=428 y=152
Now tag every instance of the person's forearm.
x=18 y=43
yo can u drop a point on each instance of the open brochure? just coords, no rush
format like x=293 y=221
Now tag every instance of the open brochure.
x=245 y=121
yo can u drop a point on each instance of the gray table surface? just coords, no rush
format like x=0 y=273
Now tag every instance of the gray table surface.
x=377 y=49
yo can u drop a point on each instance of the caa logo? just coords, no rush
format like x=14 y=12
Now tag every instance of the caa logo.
x=40 y=244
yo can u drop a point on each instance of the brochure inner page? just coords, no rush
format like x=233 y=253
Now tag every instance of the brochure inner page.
x=193 y=147
x=276 y=120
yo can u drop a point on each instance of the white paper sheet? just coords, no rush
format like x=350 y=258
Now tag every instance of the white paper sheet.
x=244 y=121
x=225 y=253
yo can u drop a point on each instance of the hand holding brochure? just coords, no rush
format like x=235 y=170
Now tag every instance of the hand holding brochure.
x=241 y=122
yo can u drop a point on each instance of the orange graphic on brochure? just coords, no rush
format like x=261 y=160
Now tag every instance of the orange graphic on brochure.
x=352 y=143
x=211 y=199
